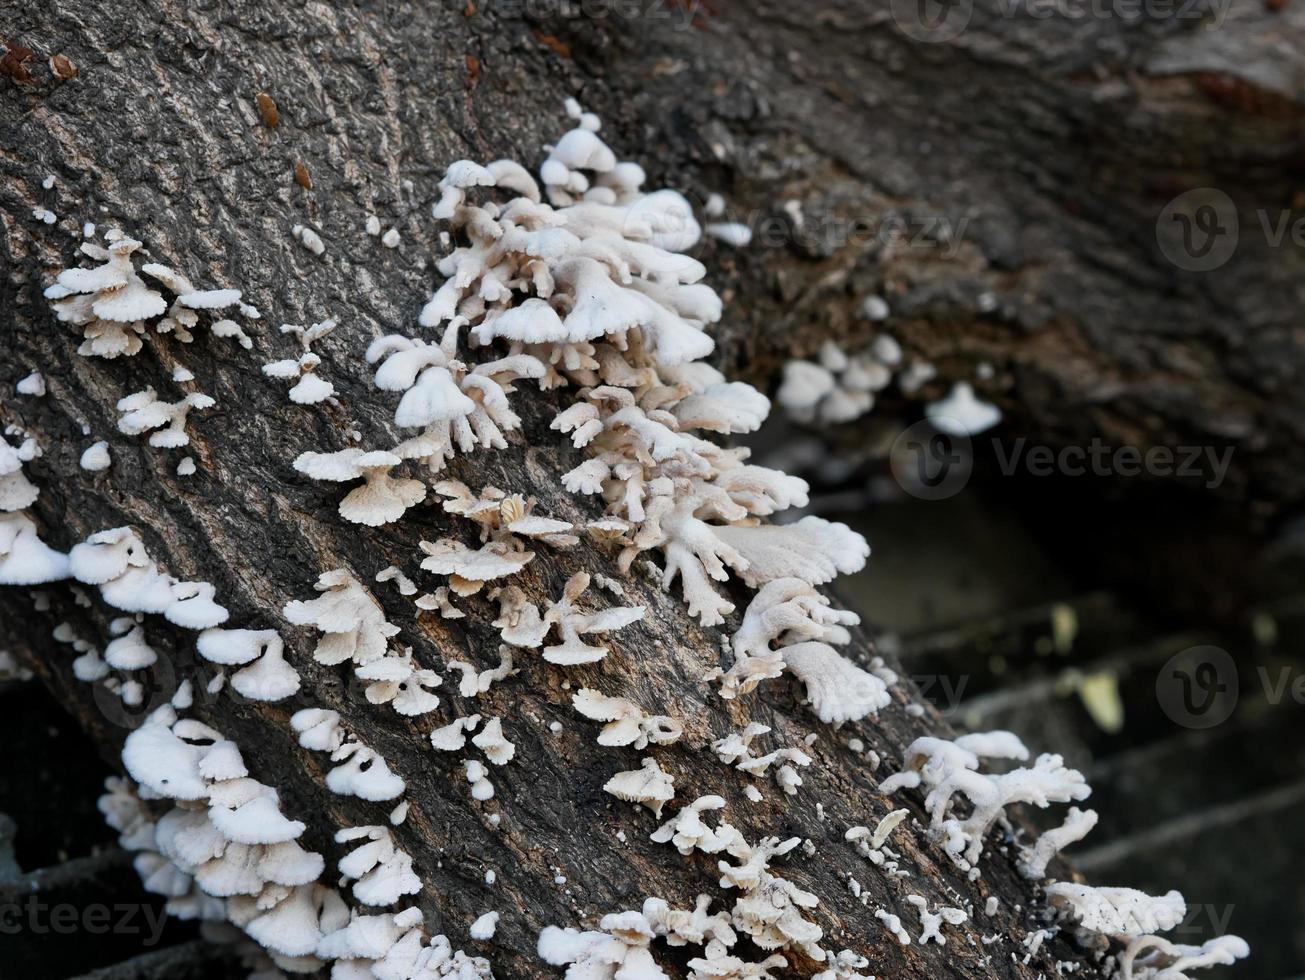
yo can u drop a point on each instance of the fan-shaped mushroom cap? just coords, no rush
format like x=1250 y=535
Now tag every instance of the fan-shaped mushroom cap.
x=168 y=765
x=24 y=558
x=648 y=786
x=838 y=689
x=193 y=606
x=130 y=652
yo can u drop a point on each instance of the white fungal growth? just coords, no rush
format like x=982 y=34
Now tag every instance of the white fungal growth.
x=1132 y=918
x=736 y=750
x=457 y=407
x=226 y=852
x=393 y=573
x=381 y=872
x=1078 y=824
x=381 y=499
x=894 y=925
x=627 y=723
x=353 y=624
x=264 y=675
x=16 y=491
x=453 y=736
x=689 y=832
x=117 y=562
x=949 y=767
x=871 y=845
x=647 y=786
x=144 y=411
x=494 y=743
x=309 y=239
x=131 y=650
x=837 y=388
x=24 y=558
x=364 y=774
x=505 y=517
x=33 y=385
x=730 y=232
x=478 y=776
x=624 y=946
x=484 y=927
x=591 y=289
x=309 y=388
x=845 y=965
x=439 y=600
x=771 y=908
x=475 y=681
x=111 y=303
x=397 y=680
x=1121 y=913
x=961 y=413
x=96 y=457
x=522 y=625
x=791 y=614
x=1164 y=960
x=932 y=922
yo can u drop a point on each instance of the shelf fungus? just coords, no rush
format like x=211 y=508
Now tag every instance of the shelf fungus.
x=352 y=623
x=111 y=302
x=494 y=743
x=397 y=680
x=453 y=736
x=837 y=387
x=382 y=499
x=523 y=625
x=947 y=768
x=689 y=832
x=736 y=750
x=128 y=579
x=789 y=625
x=622 y=946
x=381 y=872
x=457 y=407
x=309 y=388
x=647 y=786
x=16 y=491
x=594 y=287
x=475 y=681
x=225 y=853
x=24 y=558
x=505 y=517
x=468 y=569
x=627 y=723
x=145 y=411
x=264 y=673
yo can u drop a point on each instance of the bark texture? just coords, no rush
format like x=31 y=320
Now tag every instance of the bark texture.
x=1058 y=160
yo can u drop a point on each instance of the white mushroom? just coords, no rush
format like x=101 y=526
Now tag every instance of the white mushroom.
x=381 y=499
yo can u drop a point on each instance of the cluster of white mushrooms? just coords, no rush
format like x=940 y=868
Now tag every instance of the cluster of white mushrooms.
x=582 y=286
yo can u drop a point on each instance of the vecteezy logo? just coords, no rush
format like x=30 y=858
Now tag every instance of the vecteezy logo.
x=932 y=21
x=1198 y=230
x=929 y=464
x=1198 y=687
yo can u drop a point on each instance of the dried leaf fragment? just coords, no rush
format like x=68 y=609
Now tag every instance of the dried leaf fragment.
x=267 y=109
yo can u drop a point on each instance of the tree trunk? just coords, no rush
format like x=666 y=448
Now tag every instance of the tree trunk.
x=1058 y=168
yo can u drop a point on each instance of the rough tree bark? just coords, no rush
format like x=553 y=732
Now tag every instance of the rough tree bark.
x=1057 y=159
